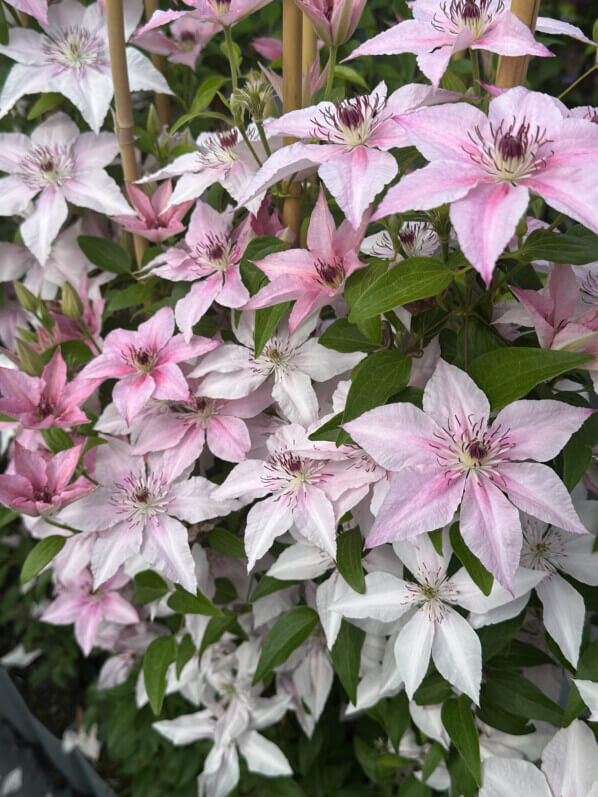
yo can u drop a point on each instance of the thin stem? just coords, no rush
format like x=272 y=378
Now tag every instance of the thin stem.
x=230 y=49
x=263 y=139
x=241 y=130
x=556 y=222
x=579 y=79
x=330 y=77
x=59 y=525
x=475 y=68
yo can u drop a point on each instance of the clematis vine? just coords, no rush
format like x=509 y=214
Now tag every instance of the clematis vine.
x=60 y=164
x=224 y=13
x=486 y=167
x=313 y=277
x=71 y=57
x=449 y=454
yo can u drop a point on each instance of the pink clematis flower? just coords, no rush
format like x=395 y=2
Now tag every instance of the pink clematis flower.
x=315 y=276
x=86 y=607
x=352 y=154
x=334 y=21
x=486 y=166
x=438 y=30
x=188 y=36
x=38 y=9
x=138 y=509
x=182 y=429
x=71 y=56
x=209 y=258
x=145 y=363
x=154 y=220
x=40 y=485
x=47 y=401
x=564 y=316
x=59 y=163
x=221 y=158
x=268 y=46
x=448 y=454
x=224 y=13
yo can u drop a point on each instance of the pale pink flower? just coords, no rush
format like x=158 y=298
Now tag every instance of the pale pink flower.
x=86 y=607
x=224 y=13
x=40 y=484
x=154 y=219
x=188 y=36
x=440 y=29
x=210 y=259
x=486 y=167
x=313 y=277
x=138 y=508
x=334 y=21
x=60 y=164
x=38 y=9
x=45 y=401
x=268 y=46
x=352 y=154
x=449 y=455
x=71 y=57
x=145 y=363
x=221 y=158
x=181 y=429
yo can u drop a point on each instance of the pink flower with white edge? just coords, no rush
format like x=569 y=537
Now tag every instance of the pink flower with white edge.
x=268 y=46
x=352 y=154
x=79 y=603
x=486 y=167
x=210 y=259
x=313 y=277
x=138 y=508
x=449 y=455
x=45 y=401
x=294 y=477
x=71 y=56
x=334 y=21
x=154 y=220
x=60 y=164
x=188 y=37
x=221 y=158
x=287 y=362
x=40 y=484
x=224 y=13
x=439 y=29
x=182 y=429
x=145 y=363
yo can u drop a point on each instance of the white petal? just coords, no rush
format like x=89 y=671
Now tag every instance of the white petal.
x=263 y=756
x=457 y=654
x=300 y=561
x=589 y=694
x=509 y=777
x=188 y=728
x=413 y=648
x=564 y=614
x=266 y=520
x=570 y=761
x=386 y=598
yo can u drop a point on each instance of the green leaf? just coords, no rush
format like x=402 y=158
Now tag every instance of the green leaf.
x=184 y=653
x=479 y=575
x=266 y=321
x=362 y=279
x=350 y=75
x=411 y=279
x=257 y=249
x=7 y=516
x=287 y=633
x=226 y=542
x=105 y=254
x=184 y=602
x=433 y=758
x=348 y=559
x=206 y=92
x=39 y=556
x=506 y=375
x=375 y=380
x=3 y=26
x=577 y=454
x=573 y=247
x=587 y=670
x=432 y=690
x=45 y=103
x=76 y=353
x=345 y=337
x=412 y=787
x=158 y=657
x=217 y=627
x=458 y=720
x=149 y=586
x=495 y=638
x=56 y=439
x=515 y=694
x=346 y=657
x=329 y=430
x=131 y=296
x=189 y=117
x=267 y=585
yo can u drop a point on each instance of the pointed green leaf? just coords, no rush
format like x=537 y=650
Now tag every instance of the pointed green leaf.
x=149 y=586
x=266 y=321
x=457 y=718
x=184 y=602
x=158 y=657
x=346 y=657
x=226 y=542
x=39 y=556
x=349 y=546
x=105 y=254
x=184 y=653
x=287 y=633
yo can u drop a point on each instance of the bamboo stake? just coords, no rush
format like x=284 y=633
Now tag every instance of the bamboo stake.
x=24 y=19
x=292 y=25
x=309 y=49
x=123 y=120
x=159 y=61
x=513 y=69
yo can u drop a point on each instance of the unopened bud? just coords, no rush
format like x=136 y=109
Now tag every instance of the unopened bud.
x=153 y=126
x=254 y=97
x=72 y=306
x=25 y=298
x=521 y=229
x=30 y=361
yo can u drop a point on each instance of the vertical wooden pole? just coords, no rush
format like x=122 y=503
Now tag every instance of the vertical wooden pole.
x=513 y=69
x=159 y=61
x=23 y=19
x=292 y=27
x=124 y=123
x=309 y=49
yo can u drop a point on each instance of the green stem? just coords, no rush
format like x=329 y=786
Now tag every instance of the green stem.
x=579 y=79
x=557 y=221
x=475 y=68
x=59 y=525
x=263 y=139
x=250 y=146
x=330 y=78
x=231 y=55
